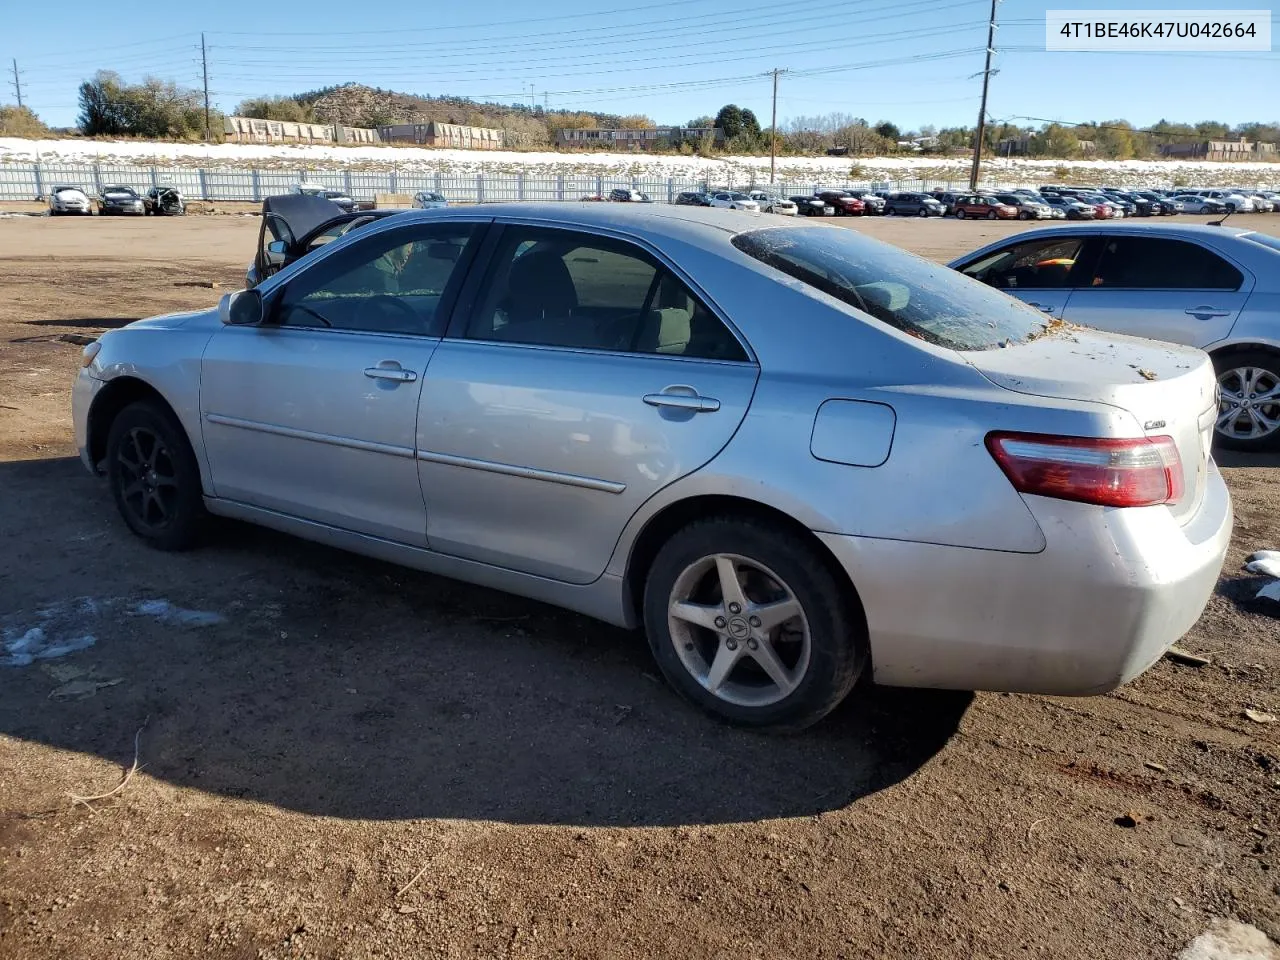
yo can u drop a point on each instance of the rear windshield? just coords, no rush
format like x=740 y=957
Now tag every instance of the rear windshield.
x=917 y=296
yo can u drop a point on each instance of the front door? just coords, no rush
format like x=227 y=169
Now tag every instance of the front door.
x=313 y=413
x=587 y=377
x=1042 y=272
x=1161 y=288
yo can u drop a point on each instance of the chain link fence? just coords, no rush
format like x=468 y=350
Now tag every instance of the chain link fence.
x=33 y=181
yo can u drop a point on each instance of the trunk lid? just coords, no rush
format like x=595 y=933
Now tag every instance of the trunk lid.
x=1170 y=390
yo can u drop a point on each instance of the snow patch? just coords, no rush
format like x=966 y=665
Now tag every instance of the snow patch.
x=66 y=627
x=1231 y=940
x=736 y=169
x=166 y=612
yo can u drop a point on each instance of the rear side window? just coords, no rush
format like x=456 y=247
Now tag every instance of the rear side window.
x=921 y=298
x=560 y=288
x=1152 y=263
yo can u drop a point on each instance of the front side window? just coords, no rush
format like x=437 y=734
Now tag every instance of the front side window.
x=914 y=295
x=567 y=289
x=1046 y=264
x=392 y=283
x=1153 y=263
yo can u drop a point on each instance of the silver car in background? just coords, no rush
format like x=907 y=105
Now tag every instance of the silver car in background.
x=791 y=453
x=1212 y=287
x=69 y=200
x=429 y=200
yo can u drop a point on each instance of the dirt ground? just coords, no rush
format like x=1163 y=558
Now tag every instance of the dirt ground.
x=340 y=758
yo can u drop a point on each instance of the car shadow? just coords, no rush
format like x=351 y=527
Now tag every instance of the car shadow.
x=91 y=323
x=1238 y=458
x=262 y=667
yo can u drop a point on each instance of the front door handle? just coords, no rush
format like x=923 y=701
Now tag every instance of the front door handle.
x=683 y=401
x=1204 y=312
x=390 y=370
x=1042 y=307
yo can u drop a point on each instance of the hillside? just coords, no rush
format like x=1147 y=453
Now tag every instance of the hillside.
x=356 y=105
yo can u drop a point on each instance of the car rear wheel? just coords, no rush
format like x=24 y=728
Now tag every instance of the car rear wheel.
x=991 y=214
x=1249 y=405
x=960 y=214
x=748 y=622
x=1024 y=215
x=891 y=211
x=922 y=212
x=154 y=477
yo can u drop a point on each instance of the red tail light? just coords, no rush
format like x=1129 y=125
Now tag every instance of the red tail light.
x=1139 y=472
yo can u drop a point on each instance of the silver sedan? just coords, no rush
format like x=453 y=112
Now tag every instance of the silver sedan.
x=1212 y=287
x=789 y=452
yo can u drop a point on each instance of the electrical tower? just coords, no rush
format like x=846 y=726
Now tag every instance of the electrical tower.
x=982 y=110
x=204 y=71
x=17 y=83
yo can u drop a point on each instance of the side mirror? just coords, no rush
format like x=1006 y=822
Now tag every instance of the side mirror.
x=276 y=251
x=242 y=308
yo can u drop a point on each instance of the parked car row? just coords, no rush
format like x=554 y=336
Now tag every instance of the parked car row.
x=117 y=200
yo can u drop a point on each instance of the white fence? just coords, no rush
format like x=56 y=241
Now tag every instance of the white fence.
x=31 y=181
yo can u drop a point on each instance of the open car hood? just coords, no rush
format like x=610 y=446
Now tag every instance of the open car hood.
x=302 y=213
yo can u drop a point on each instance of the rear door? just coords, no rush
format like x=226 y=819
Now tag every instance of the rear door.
x=581 y=374
x=1043 y=272
x=1163 y=288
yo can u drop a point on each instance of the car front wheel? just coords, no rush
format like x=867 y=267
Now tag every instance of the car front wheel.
x=748 y=622
x=1249 y=408
x=154 y=477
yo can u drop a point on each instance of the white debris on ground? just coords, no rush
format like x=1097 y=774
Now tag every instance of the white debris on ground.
x=69 y=626
x=1231 y=940
x=727 y=168
x=1266 y=563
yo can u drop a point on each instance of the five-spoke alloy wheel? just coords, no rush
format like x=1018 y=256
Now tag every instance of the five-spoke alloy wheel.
x=749 y=621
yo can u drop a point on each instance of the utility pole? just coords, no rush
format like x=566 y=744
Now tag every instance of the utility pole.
x=204 y=69
x=773 y=128
x=17 y=83
x=982 y=110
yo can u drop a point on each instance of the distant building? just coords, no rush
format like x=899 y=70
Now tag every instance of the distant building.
x=1021 y=146
x=630 y=139
x=1240 y=149
x=253 y=130
x=435 y=134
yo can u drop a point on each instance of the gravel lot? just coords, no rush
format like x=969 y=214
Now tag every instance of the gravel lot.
x=346 y=759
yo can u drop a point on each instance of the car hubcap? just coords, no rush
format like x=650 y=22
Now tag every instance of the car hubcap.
x=739 y=630
x=1250 y=404
x=148 y=484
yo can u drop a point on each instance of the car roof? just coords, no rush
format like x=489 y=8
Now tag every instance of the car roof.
x=695 y=225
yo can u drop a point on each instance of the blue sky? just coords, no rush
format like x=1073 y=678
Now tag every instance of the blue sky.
x=911 y=61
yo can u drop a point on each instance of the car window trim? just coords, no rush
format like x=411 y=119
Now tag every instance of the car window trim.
x=1089 y=236
x=1246 y=283
x=483 y=266
x=448 y=299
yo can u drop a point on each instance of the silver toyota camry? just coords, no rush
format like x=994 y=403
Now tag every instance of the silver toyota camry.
x=791 y=453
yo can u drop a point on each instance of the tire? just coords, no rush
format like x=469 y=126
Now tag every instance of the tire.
x=960 y=214
x=991 y=214
x=890 y=211
x=1234 y=369
x=922 y=212
x=820 y=650
x=163 y=505
x=1024 y=215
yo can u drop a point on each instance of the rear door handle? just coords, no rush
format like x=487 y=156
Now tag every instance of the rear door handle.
x=1205 y=312
x=390 y=370
x=683 y=401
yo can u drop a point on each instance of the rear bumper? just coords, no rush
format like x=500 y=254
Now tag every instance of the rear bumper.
x=1112 y=590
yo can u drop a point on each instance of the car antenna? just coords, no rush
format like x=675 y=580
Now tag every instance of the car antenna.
x=1218 y=223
